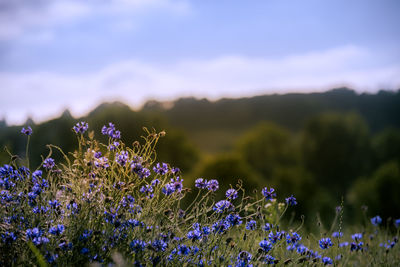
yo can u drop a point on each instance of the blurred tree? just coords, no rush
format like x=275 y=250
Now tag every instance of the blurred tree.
x=336 y=150
x=380 y=192
x=386 y=146
x=267 y=147
x=228 y=169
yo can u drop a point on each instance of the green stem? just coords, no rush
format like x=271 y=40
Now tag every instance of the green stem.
x=27 y=152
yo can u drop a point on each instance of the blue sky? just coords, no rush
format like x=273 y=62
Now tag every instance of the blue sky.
x=57 y=54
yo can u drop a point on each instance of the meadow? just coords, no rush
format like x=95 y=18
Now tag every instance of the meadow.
x=114 y=204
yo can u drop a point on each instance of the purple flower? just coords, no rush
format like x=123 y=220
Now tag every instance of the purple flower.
x=293 y=238
x=201 y=183
x=377 y=220
x=291 y=201
x=325 y=243
x=81 y=127
x=397 y=223
x=222 y=205
x=337 y=234
x=357 y=236
x=251 y=225
x=27 y=130
x=161 y=168
x=212 y=185
x=268 y=194
x=327 y=260
x=122 y=158
x=265 y=245
x=48 y=163
x=231 y=194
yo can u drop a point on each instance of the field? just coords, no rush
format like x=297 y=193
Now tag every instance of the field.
x=113 y=204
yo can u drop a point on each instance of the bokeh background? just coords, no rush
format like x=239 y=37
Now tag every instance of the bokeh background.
x=302 y=96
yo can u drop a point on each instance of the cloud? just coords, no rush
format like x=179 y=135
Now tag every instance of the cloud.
x=18 y=17
x=47 y=93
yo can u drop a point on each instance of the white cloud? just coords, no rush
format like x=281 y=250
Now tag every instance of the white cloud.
x=21 y=17
x=45 y=93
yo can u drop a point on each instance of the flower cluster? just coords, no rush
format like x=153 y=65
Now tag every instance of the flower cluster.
x=114 y=204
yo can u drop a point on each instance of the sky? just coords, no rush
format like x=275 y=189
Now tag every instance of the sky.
x=59 y=54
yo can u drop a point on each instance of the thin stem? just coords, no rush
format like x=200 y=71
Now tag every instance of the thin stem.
x=27 y=151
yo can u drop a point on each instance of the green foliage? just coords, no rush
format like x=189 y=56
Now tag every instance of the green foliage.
x=229 y=169
x=266 y=148
x=380 y=192
x=336 y=149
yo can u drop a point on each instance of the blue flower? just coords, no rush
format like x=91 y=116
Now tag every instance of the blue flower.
x=27 y=130
x=234 y=219
x=8 y=237
x=269 y=259
x=293 y=238
x=161 y=168
x=267 y=227
x=327 y=260
x=268 y=194
x=337 y=234
x=57 y=230
x=231 y=194
x=325 y=243
x=243 y=259
x=222 y=206
x=122 y=158
x=200 y=183
x=137 y=245
x=274 y=237
x=251 y=225
x=212 y=185
x=159 y=245
x=397 y=223
x=265 y=245
x=356 y=246
x=291 y=201
x=377 y=220
x=194 y=235
x=81 y=127
x=111 y=131
x=84 y=251
x=357 y=236
x=48 y=163
x=344 y=244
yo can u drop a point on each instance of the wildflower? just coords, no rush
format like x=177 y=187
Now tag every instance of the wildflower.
x=377 y=220
x=243 y=259
x=36 y=236
x=220 y=226
x=234 y=219
x=101 y=162
x=269 y=259
x=325 y=243
x=136 y=167
x=57 y=230
x=397 y=223
x=159 y=245
x=267 y=227
x=293 y=238
x=111 y=131
x=48 y=163
x=201 y=183
x=265 y=245
x=194 y=235
x=291 y=201
x=8 y=237
x=327 y=260
x=183 y=250
x=212 y=185
x=231 y=194
x=54 y=203
x=81 y=127
x=356 y=246
x=301 y=249
x=274 y=237
x=161 y=168
x=113 y=146
x=268 y=194
x=343 y=244
x=148 y=190
x=122 y=158
x=222 y=205
x=27 y=131
x=251 y=225
x=357 y=236
x=337 y=234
